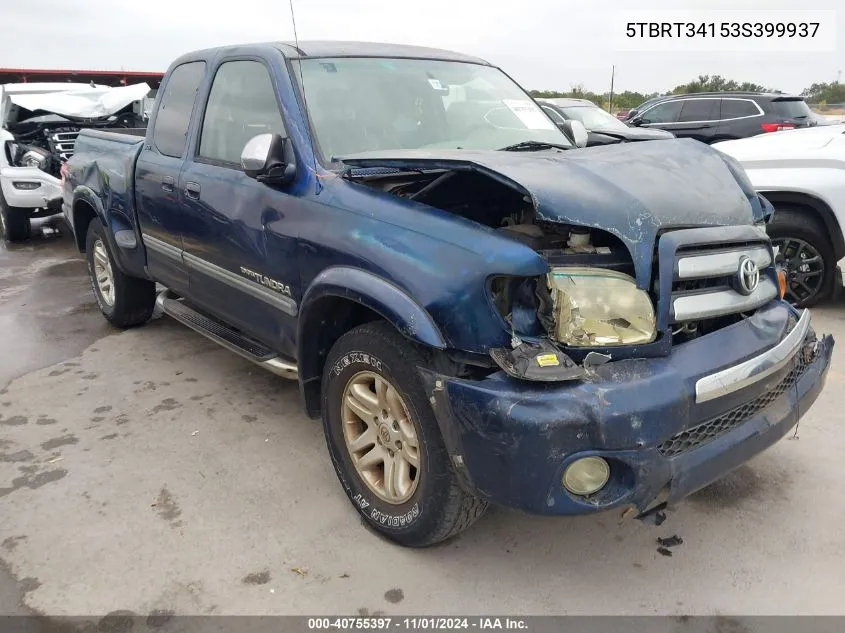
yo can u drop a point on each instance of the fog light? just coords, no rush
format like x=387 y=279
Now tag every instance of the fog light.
x=25 y=185
x=586 y=476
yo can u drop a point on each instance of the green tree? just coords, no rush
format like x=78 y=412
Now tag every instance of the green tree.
x=716 y=83
x=833 y=92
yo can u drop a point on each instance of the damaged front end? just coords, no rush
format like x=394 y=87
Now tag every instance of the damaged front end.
x=40 y=129
x=596 y=218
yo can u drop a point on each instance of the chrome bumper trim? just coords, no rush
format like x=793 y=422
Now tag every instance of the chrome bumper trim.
x=709 y=304
x=720 y=264
x=747 y=373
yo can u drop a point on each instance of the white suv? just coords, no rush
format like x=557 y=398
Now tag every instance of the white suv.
x=802 y=173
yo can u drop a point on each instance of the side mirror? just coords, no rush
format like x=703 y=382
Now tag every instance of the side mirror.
x=636 y=121
x=269 y=159
x=575 y=132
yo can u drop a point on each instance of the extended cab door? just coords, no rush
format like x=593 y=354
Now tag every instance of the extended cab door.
x=157 y=196
x=239 y=270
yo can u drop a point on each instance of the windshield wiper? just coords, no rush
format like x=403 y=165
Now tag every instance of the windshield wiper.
x=529 y=146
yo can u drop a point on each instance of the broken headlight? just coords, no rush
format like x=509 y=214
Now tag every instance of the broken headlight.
x=594 y=307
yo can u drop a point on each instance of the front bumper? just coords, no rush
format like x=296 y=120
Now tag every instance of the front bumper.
x=511 y=440
x=47 y=195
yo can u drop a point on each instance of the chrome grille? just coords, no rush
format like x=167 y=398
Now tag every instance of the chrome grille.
x=64 y=143
x=715 y=427
x=703 y=285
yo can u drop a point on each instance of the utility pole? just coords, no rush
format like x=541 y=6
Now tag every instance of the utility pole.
x=610 y=101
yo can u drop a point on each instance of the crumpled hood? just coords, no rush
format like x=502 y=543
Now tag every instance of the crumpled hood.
x=85 y=103
x=633 y=190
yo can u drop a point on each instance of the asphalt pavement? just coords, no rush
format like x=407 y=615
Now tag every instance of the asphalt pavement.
x=150 y=471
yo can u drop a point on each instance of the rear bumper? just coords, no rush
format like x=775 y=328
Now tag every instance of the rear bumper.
x=511 y=441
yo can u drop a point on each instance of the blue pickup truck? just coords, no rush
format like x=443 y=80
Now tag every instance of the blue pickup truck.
x=479 y=310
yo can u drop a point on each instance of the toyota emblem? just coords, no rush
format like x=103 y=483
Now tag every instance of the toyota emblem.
x=748 y=276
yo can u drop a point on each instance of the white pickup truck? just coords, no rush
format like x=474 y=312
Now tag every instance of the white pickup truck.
x=40 y=123
x=802 y=173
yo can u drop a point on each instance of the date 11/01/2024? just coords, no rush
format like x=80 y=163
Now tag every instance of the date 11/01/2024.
x=416 y=624
x=721 y=29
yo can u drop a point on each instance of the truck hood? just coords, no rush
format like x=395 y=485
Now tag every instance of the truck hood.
x=81 y=103
x=633 y=190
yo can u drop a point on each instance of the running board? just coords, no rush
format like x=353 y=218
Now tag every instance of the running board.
x=225 y=335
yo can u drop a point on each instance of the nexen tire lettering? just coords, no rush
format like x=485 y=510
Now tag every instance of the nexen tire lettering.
x=355 y=357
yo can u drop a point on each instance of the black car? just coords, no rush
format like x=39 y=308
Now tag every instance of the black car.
x=602 y=127
x=718 y=116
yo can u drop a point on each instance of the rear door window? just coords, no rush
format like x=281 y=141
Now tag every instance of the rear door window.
x=699 y=110
x=174 y=113
x=664 y=113
x=738 y=108
x=242 y=104
x=792 y=109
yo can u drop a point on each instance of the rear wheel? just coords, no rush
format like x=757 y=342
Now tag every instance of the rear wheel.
x=806 y=254
x=385 y=443
x=125 y=301
x=14 y=222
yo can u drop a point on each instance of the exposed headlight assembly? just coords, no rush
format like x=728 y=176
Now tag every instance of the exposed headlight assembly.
x=594 y=307
x=35 y=158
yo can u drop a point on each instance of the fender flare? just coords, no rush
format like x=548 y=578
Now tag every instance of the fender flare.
x=85 y=194
x=377 y=294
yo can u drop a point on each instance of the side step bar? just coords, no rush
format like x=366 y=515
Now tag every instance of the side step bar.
x=225 y=335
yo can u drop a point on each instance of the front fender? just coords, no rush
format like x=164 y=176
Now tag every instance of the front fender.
x=377 y=294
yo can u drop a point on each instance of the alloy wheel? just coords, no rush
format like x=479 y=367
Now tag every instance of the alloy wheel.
x=103 y=272
x=381 y=437
x=804 y=267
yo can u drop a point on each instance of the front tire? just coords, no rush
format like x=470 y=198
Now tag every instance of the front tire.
x=806 y=253
x=125 y=301
x=14 y=222
x=384 y=440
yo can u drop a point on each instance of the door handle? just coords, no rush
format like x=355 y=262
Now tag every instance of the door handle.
x=192 y=190
x=168 y=183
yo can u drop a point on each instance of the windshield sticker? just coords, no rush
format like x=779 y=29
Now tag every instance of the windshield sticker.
x=435 y=84
x=531 y=115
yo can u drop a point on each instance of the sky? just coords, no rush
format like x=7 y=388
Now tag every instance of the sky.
x=543 y=44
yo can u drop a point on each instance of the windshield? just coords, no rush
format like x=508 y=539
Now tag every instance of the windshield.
x=371 y=104
x=594 y=118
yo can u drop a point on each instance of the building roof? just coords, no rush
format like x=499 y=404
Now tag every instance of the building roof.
x=102 y=77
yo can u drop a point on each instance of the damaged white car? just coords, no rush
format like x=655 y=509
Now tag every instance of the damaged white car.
x=40 y=123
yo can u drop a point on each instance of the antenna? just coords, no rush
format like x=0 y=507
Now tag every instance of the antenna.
x=304 y=98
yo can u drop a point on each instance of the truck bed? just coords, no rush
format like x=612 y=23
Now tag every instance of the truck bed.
x=103 y=167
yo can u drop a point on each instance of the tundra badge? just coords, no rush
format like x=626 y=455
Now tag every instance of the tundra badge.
x=264 y=280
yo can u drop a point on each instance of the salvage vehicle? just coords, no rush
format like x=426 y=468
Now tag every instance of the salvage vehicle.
x=802 y=173
x=479 y=311
x=40 y=122
x=602 y=127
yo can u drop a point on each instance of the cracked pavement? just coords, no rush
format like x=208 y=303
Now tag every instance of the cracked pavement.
x=151 y=471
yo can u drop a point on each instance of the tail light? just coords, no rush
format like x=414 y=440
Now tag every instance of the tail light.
x=777 y=127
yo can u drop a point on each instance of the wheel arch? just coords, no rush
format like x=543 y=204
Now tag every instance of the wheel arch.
x=341 y=298
x=816 y=208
